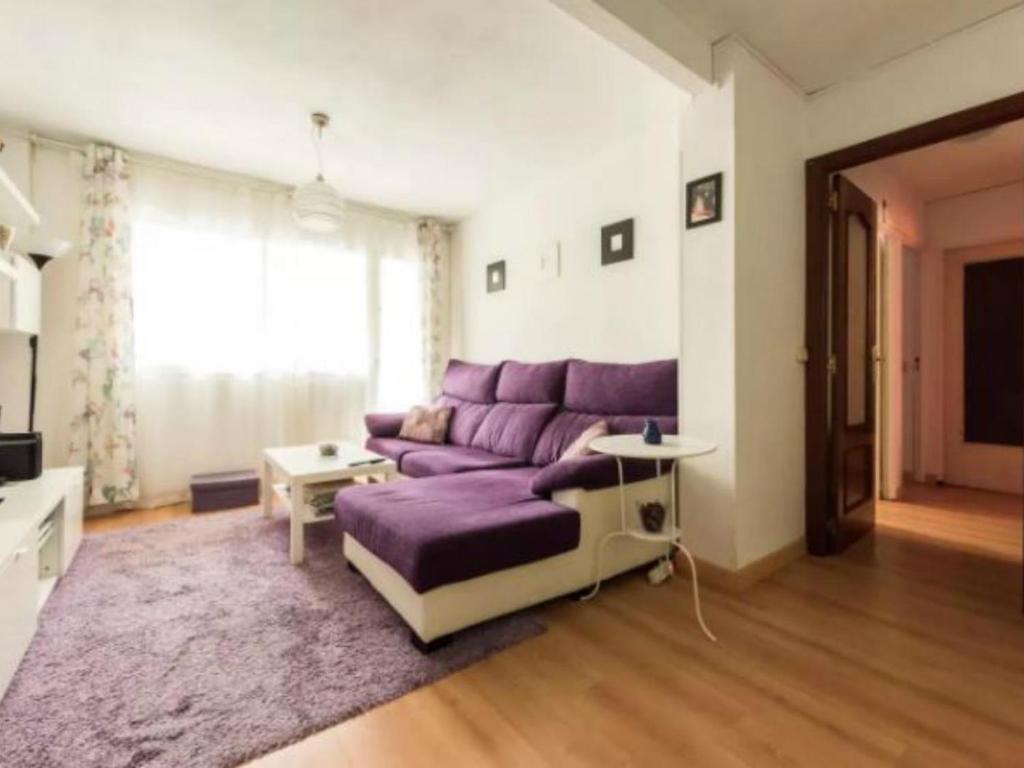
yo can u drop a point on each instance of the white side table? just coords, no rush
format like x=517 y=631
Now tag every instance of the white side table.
x=674 y=449
x=301 y=465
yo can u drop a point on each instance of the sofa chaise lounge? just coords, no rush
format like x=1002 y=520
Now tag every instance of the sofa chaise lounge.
x=494 y=520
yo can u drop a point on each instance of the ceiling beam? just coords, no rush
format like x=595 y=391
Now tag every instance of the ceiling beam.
x=650 y=33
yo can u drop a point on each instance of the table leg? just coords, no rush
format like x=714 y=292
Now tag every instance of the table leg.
x=696 y=591
x=297 y=546
x=674 y=477
x=609 y=536
x=622 y=493
x=597 y=575
x=673 y=482
x=267 y=489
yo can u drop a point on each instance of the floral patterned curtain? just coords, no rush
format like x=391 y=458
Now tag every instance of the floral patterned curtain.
x=434 y=248
x=103 y=405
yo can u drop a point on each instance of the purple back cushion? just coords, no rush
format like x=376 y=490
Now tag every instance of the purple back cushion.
x=465 y=420
x=623 y=389
x=470 y=381
x=532 y=382
x=512 y=429
x=566 y=426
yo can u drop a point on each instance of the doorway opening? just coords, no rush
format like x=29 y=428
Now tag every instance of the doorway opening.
x=934 y=331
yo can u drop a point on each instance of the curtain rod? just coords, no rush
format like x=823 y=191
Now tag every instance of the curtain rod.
x=162 y=163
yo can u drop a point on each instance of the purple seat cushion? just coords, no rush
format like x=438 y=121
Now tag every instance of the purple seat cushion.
x=532 y=382
x=394 y=447
x=613 y=388
x=512 y=429
x=466 y=418
x=566 y=426
x=446 y=529
x=471 y=381
x=384 y=424
x=590 y=473
x=450 y=459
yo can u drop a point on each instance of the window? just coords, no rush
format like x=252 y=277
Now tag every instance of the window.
x=250 y=333
x=401 y=337
x=225 y=285
x=207 y=302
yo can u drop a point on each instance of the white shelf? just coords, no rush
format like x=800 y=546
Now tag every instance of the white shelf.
x=669 y=535
x=309 y=512
x=21 y=297
x=7 y=268
x=15 y=209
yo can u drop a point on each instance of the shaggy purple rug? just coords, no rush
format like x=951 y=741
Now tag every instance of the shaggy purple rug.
x=196 y=643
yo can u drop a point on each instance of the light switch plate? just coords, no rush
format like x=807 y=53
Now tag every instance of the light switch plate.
x=551 y=262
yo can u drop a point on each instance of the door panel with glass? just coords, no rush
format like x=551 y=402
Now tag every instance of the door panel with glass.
x=853 y=339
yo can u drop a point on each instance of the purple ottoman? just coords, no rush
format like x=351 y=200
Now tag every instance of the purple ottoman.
x=225 y=490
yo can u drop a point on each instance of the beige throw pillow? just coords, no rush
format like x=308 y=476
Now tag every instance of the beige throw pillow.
x=426 y=423
x=581 y=445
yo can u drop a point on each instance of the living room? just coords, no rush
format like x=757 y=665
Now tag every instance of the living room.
x=418 y=384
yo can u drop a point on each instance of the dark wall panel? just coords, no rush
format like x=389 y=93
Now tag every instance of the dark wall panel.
x=994 y=352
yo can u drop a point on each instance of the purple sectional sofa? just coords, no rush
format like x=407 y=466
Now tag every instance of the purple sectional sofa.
x=489 y=499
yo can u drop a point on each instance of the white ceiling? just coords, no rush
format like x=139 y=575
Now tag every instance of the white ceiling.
x=958 y=166
x=820 y=42
x=436 y=105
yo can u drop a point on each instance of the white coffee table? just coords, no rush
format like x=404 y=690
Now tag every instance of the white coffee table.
x=301 y=465
x=673 y=448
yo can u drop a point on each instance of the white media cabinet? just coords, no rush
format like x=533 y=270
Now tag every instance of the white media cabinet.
x=40 y=531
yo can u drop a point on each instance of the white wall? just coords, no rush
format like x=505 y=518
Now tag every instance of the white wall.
x=14 y=351
x=621 y=312
x=740 y=301
x=975 y=219
x=979 y=218
x=742 y=316
x=59 y=189
x=707 y=305
x=966 y=221
x=741 y=295
x=979 y=64
x=14 y=382
x=769 y=309
x=766 y=508
x=55 y=184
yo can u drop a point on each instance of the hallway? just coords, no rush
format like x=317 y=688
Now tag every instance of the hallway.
x=965 y=519
x=966 y=539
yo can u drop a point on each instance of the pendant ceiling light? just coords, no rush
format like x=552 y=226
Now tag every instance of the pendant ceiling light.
x=317 y=206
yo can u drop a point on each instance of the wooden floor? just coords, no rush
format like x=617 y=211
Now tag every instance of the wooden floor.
x=908 y=650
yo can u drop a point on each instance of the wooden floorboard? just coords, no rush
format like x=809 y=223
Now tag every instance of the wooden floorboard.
x=908 y=650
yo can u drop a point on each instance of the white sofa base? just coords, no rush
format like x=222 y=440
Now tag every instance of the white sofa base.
x=452 y=607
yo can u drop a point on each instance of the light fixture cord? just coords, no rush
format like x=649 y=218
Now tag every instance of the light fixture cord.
x=318 y=148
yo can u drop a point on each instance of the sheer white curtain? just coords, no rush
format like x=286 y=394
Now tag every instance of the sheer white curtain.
x=251 y=333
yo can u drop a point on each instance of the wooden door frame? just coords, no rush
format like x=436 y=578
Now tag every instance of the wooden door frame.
x=818 y=171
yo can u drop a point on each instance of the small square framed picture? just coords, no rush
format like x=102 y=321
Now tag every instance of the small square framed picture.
x=496 y=276
x=617 y=242
x=704 y=201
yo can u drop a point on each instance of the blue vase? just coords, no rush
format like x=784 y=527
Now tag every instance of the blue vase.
x=652 y=434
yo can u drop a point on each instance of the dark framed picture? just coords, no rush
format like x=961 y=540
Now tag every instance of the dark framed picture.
x=496 y=276
x=617 y=242
x=704 y=201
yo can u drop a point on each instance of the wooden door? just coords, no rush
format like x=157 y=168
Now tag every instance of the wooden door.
x=854 y=350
